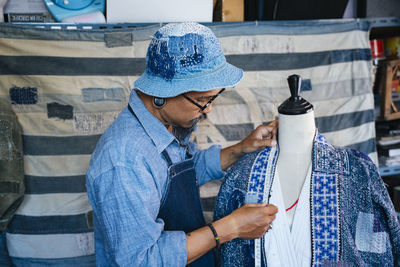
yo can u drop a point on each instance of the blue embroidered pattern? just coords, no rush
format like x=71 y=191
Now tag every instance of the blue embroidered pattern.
x=328 y=163
x=328 y=159
x=179 y=52
x=163 y=64
x=260 y=170
x=325 y=220
x=259 y=186
x=335 y=221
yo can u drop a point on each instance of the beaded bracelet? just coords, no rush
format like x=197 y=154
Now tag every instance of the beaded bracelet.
x=216 y=237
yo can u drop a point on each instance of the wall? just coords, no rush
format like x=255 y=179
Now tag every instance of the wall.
x=383 y=8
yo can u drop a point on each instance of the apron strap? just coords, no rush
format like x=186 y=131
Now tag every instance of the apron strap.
x=167 y=158
x=131 y=110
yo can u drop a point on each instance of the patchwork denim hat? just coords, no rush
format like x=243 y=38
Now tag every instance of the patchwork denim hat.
x=185 y=57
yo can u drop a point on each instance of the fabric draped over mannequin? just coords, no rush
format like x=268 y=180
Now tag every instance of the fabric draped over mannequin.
x=285 y=245
x=352 y=219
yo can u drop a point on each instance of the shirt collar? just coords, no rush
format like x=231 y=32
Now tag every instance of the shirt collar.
x=153 y=127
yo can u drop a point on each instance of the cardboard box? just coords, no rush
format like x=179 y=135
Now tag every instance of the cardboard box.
x=27 y=11
x=228 y=10
x=149 y=11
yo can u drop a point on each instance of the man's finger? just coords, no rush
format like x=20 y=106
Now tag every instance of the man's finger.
x=266 y=142
x=267 y=129
x=255 y=205
x=273 y=208
x=274 y=123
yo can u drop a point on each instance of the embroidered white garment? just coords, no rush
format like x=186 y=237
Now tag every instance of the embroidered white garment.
x=282 y=246
x=350 y=212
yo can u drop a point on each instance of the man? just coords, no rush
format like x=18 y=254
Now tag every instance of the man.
x=144 y=173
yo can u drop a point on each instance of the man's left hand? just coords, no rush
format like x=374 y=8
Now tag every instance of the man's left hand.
x=262 y=136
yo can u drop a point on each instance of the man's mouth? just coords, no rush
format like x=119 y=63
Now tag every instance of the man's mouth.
x=193 y=122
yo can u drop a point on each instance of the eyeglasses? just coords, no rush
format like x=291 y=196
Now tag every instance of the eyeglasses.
x=202 y=108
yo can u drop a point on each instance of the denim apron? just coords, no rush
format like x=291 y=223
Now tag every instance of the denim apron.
x=180 y=206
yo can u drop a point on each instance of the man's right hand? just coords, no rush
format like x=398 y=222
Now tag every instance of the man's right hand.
x=252 y=220
x=247 y=222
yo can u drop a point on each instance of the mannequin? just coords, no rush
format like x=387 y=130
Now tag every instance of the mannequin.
x=295 y=138
x=344 y=216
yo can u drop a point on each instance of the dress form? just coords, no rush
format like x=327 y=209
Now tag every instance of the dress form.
x=295 y=139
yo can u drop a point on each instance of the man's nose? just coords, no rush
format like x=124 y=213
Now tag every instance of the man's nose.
x=207 y=109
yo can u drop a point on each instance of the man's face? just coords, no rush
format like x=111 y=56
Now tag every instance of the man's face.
x=181 y=112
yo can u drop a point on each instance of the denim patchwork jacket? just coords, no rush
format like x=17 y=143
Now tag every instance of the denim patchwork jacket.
x=353 y=221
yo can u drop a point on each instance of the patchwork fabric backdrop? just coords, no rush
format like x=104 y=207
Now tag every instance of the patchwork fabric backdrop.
x=66 y=86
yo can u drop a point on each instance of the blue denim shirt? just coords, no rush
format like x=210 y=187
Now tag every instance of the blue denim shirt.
x=126 y=181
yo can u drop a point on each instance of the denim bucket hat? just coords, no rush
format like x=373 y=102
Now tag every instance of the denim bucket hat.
x=185 y=57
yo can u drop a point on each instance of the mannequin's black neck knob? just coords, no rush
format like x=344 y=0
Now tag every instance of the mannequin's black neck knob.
x=295 y=104
x=294 y=86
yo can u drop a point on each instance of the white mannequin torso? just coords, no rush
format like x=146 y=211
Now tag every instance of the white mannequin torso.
x=295 y=140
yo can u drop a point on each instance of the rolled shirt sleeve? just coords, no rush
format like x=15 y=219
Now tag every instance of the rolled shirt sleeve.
x=208 y=164
x=126 y=207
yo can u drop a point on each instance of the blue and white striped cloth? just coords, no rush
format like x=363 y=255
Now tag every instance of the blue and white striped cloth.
x=67 y=86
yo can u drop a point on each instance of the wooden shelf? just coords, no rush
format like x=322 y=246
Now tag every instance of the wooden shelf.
x=389 y=111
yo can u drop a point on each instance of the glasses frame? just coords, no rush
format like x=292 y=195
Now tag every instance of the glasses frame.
x=202 y=108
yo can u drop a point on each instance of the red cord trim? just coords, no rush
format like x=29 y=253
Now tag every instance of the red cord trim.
x=294 y=204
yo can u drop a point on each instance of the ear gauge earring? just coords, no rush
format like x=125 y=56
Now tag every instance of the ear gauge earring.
x=159 y=102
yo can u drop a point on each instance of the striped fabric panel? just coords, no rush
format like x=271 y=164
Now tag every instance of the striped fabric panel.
x=57 y=184
x=335 y=64
x=278 y=43
x=55 y=166
x=354 y=126
x=46 y=65
x=58 y=246
x=67 y=86
x=64 y=103
x=53 y=224
x=54 y=204
x=51 y=86
x=57 y=145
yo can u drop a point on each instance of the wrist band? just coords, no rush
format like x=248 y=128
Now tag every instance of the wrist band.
x=216 y=237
